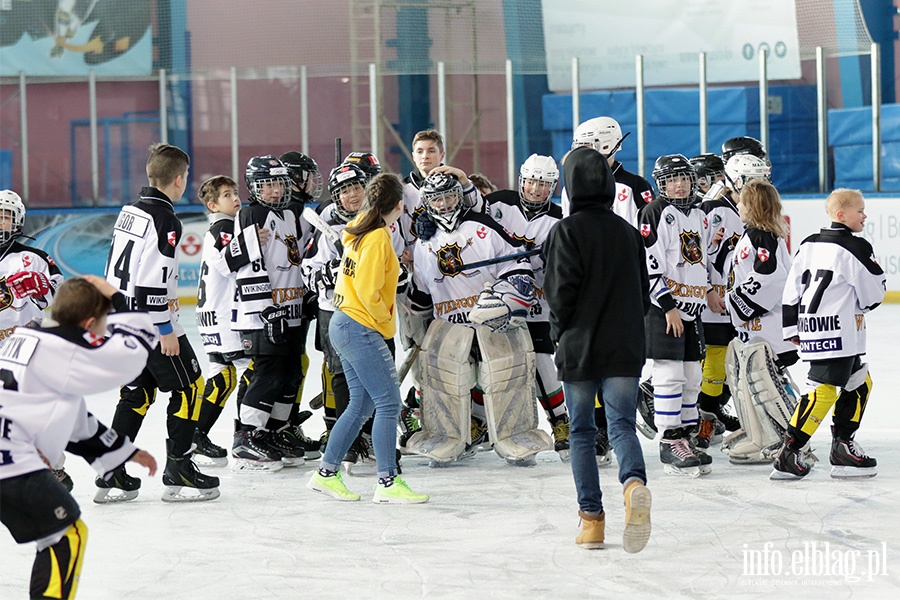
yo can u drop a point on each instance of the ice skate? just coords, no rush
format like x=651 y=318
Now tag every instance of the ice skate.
x=394 y=490
x=593 y=530
x=603 y=453
x=479 y=438
x=637 y=517
x=848 y=459
x=789 y=464
x=185 y=483
x=119 y=487
x=705 y=459
x=292 y=453
x=207 y=453
x=704 y=437
x=560 y=430
x=251 y=456
x=528 y=461
x=645 y=422
x=730 y=422
x=331 y=485
x=409 y=421
x=64 y=479
x=676 y=455
x=357 y=455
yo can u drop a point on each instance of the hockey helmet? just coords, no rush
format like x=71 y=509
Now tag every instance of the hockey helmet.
x=349 y=181
x=366 y=161
x=743 y=145
x=603 y=134
x=538 y=177
x=742 y=168
x=12 y=212
x=710 y=168
x=268 y=181
x=442 y=196
x=305 y=175
x=675 y=178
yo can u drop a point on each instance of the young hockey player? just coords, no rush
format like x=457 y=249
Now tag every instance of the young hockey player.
x=269 y=307
x=215 y=303
x=46 y=374
x=364 y=318
x=834 y=280
x=760 y=387
x=675 y=235
x=143 y=265
x=530 y=215
x=447 y=290
x=710 y=170
x=593 y=254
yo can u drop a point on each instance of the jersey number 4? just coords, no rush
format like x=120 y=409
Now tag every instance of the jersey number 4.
x=123 y=264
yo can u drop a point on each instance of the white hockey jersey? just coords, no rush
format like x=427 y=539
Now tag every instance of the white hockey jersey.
x=45 y=375
x=216 y=290
x=721 y=214
x=675 y=240
x=834 y=280
x=15 y=312
x=142 y=261
x=761 y=264
x=450 y=294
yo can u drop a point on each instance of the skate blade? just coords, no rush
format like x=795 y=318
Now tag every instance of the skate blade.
x=565 y=455
x=843 y=472
x=246 y=465
x=705 y=469
x=312 y=454
x=361 y=468
x=749 y=460
x=604 y=460
x=637 y=521
x=175 y=493
x=692 y=472
x=112 y=495
x=293 y=461
x=439 y=464
x=777 y=475
x=528 y=461
x=201 y=460
x=647 y=431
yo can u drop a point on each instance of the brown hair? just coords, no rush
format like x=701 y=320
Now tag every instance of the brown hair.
x=383 y=193
x=482 y=183
x=430 y=134
x=76 y=300
x=840 y=199
x=762 y=207
x=209 y=189
x=165 y=163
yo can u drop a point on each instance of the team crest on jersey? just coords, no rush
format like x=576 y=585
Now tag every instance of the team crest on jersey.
x=6 y=297
x=716 y=220
x=744 y=253
x=293 y=251
x=763 y=254
x=481 y=233
x=26 y=261
x=450 y=259
x=647 y=196
x=645 y=229
x=691 y=250
x=171 y=238
x=225 y=238
x=622 y=196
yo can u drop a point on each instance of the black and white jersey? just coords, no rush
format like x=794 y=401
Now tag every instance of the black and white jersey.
x=216 y=289
x=47 y=372
x=271 y=275
x=675 y=240
x=505 y=208
x=761 y=264
x=834 y=280
x=721 y=214
x=142 y=261
x=320 y=252
x=633 y=193
x=15 y=312
x=449 y=294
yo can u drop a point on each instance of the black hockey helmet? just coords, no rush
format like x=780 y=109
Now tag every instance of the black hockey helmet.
x=366 y=161
x=305 y=175
x=709 y=167
x=268 y=181
x=342 y=176
x=668 y=170
x=743 y=145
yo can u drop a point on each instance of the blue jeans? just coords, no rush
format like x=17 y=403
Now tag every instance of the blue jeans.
x=620 y=400
x=372 y=379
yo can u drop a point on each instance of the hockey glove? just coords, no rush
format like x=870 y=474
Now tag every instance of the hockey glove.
x=275 y=321
x=28 y=283
x=403 y=280
x=425 y=227
x=328 y=274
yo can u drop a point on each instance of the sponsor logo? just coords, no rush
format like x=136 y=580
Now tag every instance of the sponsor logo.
x=211 y=339
x=190 y=244
x=826 y=345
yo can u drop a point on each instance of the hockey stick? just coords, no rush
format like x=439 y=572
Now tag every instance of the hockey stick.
x=337 y=152
x=494 y=261
x=617 y=146
x=407 y=364
x=316 y=220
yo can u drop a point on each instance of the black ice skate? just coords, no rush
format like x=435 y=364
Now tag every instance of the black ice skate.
x=207 y=453
x=118 y=487
x=310 y=446
x=705 y=459
x=560 y=429
x=646 y=410
x=359 y=452
x=64 y=478
x=790 y=463
x=730 y=422
x=252 y=456
x=479 y=435
x=292 y=453
x=676 y=455
x=184 y=482
x=603 y=455
x=848 y=459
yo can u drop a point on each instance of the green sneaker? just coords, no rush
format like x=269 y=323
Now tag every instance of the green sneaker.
x=331 y=486
x=397 y=493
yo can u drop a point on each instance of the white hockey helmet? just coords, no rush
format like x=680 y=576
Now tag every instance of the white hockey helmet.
x=543 y=171
x=603 y=134
x=742 y=168
x=12 y=211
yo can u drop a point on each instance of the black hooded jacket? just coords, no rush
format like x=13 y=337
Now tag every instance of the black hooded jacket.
x=596 y=278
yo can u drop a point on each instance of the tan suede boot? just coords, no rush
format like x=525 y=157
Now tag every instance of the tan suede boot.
x=637 y=517
x=593 y=528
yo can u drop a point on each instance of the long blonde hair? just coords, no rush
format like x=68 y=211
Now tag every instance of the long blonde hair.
x=762 y=207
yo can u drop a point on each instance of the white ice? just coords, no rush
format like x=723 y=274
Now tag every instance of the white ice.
x=496 y=531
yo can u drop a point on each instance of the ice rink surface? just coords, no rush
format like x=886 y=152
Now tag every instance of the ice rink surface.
x=496 y=531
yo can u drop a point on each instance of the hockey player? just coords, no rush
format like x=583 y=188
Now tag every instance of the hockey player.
x=738 y=146
x=760 y=266
x=363 y=321
x=594 y=255
x=143 y=265
x=447 y=290
x=306 y=180
x=43 y=412
x=215 y=303
x=833 y=282
x=710 y=170
x=270 y=294
x=675 y=236
x=530 y=215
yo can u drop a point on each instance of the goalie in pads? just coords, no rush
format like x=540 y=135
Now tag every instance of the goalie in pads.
x=451 y=362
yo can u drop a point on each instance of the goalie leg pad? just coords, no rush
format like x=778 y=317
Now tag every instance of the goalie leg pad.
x=446 y=377
x=506 y=375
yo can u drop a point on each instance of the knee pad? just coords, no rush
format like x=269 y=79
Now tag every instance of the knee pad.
x=57 y=566
x=220 y=384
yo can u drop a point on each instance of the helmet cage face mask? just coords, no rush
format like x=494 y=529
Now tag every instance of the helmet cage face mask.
x=12 y=211
x=307 y=181
x=667 y=182
x=268 y=181
x=442 y=196
x=350 y=178
x=538 y=173
x=709 y=169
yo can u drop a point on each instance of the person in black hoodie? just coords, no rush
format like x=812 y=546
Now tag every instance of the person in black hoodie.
x=597 y=288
